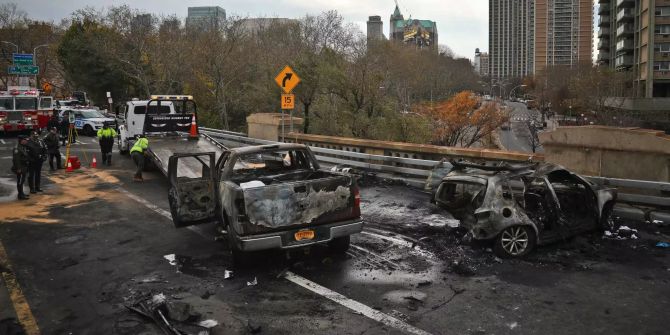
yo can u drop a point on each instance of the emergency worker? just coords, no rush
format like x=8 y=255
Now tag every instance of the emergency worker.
x=37 y=152
x=137 y=152
x=20 y=165
x=106 y=136
x=53 y=143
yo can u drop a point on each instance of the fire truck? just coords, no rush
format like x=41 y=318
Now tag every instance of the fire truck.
x=24 y=109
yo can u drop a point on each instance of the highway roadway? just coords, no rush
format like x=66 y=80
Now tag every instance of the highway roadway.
x=516 y=138
x=95 y=241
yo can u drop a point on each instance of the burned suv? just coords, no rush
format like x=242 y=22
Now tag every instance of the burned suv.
x=521 y=206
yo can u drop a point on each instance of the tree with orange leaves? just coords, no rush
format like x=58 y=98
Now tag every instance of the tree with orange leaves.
x=463 y=120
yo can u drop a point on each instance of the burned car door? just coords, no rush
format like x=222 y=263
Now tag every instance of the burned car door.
x=461 y=199
x=192 y=195
x=577 y=202
x=541 y=205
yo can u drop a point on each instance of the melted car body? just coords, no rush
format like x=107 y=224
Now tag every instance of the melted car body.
x=537 y=203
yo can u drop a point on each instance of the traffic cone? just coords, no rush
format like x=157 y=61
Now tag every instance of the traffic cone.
x=193 y=133
x=94 y=163
x=69 y=166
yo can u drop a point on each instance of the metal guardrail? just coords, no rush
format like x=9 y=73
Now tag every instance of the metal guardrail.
x=415 y=171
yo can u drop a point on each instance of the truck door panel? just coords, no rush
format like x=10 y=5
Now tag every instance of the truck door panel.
x=192 y=193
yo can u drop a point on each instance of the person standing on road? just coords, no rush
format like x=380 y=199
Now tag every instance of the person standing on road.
x=53 y=143
x=64 y=126
x=20 y=165
x=137 y=152
x=37 y=151
x=106 y=136
x=53 y=122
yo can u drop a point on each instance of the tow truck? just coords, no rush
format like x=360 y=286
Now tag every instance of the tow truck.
x=166 y=122
x=22 y=108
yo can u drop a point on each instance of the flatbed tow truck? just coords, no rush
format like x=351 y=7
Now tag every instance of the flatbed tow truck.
x=166 y=122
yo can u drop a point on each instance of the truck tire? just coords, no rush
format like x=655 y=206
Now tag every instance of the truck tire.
x=241 y=259
x=340 y=245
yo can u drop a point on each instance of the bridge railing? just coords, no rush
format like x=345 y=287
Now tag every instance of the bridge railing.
x=415 y=172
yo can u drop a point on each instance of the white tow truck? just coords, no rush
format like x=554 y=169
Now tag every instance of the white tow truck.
x=166 y=122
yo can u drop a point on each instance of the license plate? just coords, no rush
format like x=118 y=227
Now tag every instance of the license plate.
x=304 y=235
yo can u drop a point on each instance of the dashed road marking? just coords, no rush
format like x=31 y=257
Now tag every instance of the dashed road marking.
x=354 y=305
x=19 y=301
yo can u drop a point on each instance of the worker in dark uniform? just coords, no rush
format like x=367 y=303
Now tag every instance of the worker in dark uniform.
x=106 y=136
x=64 y=125
x=37 y=151
x=53 y=143
x=53 y=122
x=20 y=165
x=137 y=152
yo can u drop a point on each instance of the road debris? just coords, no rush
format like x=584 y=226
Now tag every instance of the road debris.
x=663 y=245
x=172 y=258
x=172 y=317
x=253 y=282
x=622 y=233
x=69 y=239
x=253 y=327
x=227 y=274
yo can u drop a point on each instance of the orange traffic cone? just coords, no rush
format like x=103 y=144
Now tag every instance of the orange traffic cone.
x=193 y=133
x=69 y=166
x=94 y=163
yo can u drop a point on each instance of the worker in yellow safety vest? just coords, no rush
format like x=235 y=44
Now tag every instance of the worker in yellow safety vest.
x=137 y=153
x=106 y=136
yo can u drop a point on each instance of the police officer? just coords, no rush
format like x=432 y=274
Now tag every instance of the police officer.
x=53 y=143
x=64 y=126
x=20 y=165
x=37 y=151
x=137 y=152
x=106 y=136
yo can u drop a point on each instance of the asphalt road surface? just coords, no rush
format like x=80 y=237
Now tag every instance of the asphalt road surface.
x=516 y=137
x=72 y=258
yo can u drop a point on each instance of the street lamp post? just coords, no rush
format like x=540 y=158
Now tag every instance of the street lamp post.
x=509 y=97
x=35 y=60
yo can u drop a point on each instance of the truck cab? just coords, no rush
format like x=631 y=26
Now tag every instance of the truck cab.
x=134 y=114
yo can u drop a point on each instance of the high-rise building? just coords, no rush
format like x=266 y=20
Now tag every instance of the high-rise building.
x=634 y=35
x=375 y=28
x=563 y=32
x=526 y=36
x=481 y=63
x=204 y=17
x=511 y=38
x=422 y=33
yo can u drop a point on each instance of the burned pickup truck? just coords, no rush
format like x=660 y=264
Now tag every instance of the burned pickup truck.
x=265 y=197
x=521 y=206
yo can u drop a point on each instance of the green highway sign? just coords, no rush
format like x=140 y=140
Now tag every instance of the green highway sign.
x=23 y=69
x=22 y=59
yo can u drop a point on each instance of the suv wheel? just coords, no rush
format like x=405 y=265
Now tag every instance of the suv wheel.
x=515 y=241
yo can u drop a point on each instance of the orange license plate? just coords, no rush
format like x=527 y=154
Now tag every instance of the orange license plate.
x=304 y=235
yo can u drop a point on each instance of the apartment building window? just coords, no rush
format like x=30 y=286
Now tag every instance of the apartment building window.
x=661 y=66
x=662 y=29
x=662 y=47
x=663 y=11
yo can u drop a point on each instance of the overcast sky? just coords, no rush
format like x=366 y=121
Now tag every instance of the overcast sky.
x=462 y=24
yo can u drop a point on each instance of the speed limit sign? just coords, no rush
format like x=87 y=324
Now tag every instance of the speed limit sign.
x=287 y=101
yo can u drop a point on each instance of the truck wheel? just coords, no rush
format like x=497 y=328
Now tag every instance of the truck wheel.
x=88 y=130
x=340 y=245
x=514 y=242
x=241 y=259
x=607 y=220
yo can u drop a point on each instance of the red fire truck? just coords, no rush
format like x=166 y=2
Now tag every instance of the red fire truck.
x=23 y=109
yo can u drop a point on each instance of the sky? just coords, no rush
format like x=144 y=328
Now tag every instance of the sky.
x=462 y=24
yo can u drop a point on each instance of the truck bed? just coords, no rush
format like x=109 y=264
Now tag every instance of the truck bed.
x=162 y=147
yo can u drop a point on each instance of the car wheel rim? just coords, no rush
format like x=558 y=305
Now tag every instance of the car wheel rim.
x=514 y=240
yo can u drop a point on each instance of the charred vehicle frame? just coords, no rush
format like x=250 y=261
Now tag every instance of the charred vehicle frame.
x=521 y=206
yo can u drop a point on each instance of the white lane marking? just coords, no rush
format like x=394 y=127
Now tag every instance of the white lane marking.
x=2 y=141
x=93 y=140
x=159 y=210
x=354 y=305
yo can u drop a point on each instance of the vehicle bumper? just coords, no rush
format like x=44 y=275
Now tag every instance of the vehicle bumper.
x=7 y=127
x=283 y=240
